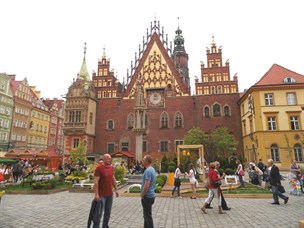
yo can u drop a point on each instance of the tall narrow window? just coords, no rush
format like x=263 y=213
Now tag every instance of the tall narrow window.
x=274 y=149
x=110 y=148
x=216 y=110
x=110 y=124
x=131 y=121
x=271 y=120
x=91 y=118
x=268 y=99
x=75 y=142
x=71 y=117
x=227 y=111
x=291 y=99
x=164 y=120
x=78 y=116
x=206 y=112
x=164 y=146
x=298 y=152
x=178 y=119
x=294 y=123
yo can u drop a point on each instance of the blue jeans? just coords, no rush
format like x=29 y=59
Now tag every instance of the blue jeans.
x=241 y=179
x=147 y=208
x=176 y=187
x=276 y=194
x=106 y=206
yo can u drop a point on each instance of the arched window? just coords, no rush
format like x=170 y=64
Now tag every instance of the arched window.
x=164 y=120
x=298 y=152
x=110 y=124
x=274 y=150
x=131 y=121
x=219 y=89
x=227 y=111
x=206 y=112
x=216 y=110
x=178 y=119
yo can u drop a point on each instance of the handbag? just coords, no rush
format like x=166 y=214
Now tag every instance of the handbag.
x=242 y=173
x=281 y=189
x=217 y=183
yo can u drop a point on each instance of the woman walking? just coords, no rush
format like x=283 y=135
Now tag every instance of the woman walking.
x=239 y=172
x=214 y=190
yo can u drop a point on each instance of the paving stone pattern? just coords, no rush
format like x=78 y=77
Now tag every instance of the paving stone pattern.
x=65 y=210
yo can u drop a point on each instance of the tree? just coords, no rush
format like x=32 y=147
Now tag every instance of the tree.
x=79 y=154
x=194 y=136
x=288 y=148
x=223 y=141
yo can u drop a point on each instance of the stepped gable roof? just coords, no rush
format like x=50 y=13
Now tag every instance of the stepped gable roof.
x=155 y=39
x=277 y=74
x=14 y=86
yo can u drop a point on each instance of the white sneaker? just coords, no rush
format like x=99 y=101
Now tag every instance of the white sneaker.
x=180 y=197
x=171 y=196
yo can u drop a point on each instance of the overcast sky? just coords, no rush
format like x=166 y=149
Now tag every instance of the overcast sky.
x=44 y=40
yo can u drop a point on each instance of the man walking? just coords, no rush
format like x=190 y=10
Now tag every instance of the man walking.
x=104 y=181
x=275 y=182
x=148 y=191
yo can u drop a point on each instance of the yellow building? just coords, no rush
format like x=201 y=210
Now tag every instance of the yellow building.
x=272 y=118
x=39 y=123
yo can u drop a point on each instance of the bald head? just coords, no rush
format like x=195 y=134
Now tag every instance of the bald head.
x=107 y=159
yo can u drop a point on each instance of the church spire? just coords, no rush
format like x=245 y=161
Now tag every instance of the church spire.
x=83 y=73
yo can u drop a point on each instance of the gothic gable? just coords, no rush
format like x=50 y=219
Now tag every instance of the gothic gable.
x=157 y=71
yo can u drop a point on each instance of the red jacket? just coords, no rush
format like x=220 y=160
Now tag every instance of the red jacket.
x=212 y=175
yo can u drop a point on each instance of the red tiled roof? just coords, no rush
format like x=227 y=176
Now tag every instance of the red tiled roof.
x=126 y=153
x=276 y=75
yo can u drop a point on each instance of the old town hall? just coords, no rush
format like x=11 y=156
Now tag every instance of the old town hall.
x=153 y=108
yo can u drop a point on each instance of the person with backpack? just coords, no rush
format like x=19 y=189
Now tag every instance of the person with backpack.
x=17 y=171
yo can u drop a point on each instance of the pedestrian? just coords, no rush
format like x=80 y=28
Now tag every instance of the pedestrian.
x=17 y=171
x=213 y=190
x=239 y=172
x=256 y=174
x=224 y=203
x=192 y=180
x=275 y=182
x=177 y=182
x=148 y=191
x=104 y=181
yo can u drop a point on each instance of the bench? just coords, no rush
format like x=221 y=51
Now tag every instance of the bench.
x=82 y=185
x=91 y=185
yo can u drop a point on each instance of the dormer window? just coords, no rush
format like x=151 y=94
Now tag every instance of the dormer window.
x=289 y=80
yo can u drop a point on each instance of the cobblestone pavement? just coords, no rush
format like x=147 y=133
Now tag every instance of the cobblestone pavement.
x=67 y=209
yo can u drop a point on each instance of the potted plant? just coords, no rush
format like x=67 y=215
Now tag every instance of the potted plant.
x=171 y=170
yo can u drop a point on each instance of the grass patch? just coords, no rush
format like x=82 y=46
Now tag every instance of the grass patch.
x=27 y=187
x=248 y=189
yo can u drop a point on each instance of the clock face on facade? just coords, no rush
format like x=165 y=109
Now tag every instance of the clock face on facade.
x=155 y=98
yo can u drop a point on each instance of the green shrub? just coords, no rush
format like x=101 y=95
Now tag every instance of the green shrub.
x=80 y=173
x=164 y=177
x=119 y=173
x=221 y=171
x=229 y=171
x=135 y=189
x=171 y=169
x=160 y=181
x=171 y=163
x=158 y=189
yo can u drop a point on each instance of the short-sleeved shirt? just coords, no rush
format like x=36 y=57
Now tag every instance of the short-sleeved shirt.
x=106 y=179
x=149 y=174
x=177 y=173
x=212 y=176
